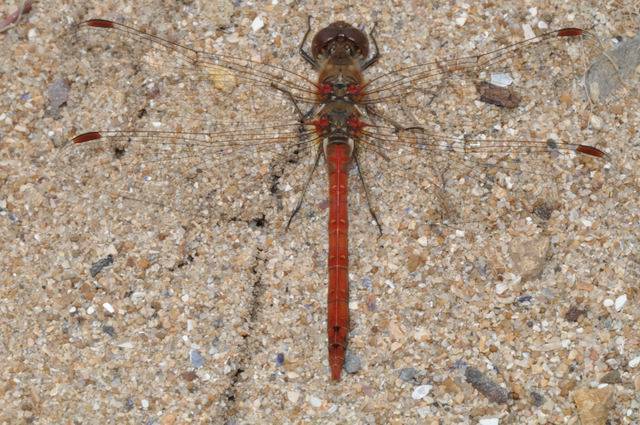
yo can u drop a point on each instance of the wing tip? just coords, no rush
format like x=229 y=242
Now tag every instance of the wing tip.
x=99 y=23
x=590 y=150
x=570 y=32
x=87 y=137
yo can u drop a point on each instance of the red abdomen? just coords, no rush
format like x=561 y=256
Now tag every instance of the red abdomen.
x=338 y=160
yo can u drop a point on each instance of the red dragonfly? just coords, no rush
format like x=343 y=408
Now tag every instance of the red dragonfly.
x=342 y=118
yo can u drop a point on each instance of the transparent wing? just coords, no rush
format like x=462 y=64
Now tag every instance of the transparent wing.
x=515 y=58
x=474 y=138
x=222 y=70
x=222 y=172
x=446 y=171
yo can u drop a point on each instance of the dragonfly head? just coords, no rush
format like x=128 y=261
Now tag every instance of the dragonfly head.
x=340 y=40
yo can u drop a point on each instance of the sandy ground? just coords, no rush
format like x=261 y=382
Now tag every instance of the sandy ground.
x=221 y=318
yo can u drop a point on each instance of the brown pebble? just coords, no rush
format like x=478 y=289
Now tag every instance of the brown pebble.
x=496 y=95
x=188 y=376
x=143 y=264
x=593 y=404
x=612 y=377
x=566 y=387
x=574 y=313
x=88 y=291
x=169 y=419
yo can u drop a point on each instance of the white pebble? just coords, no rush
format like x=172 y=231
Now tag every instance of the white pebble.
x=533 y=11
x=596 y=122
x=421 y=392
x=257 y=23
x=32 y=34
x=91 y=310
x=620 y=302
x=462 y=19
x=145 y=403
x=543 y=25
x=489 y=421
x=608 y=302
x=501 y=288
x=108 y=307
x=293 y=396
x=422 y=241
x=528 y=32
x=634 y=362
x=315 y=401
x=501 y=79
x=424 y=411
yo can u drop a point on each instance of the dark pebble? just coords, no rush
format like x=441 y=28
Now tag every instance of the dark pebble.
x=460 y=364
x=352 y=363
x=612 y=377
x=101 y=264
x=574 y=313
x=537 y=399
x=524 y=299
x=408 y=374
x=280 y=359
x=486 y=386
x=109 y=330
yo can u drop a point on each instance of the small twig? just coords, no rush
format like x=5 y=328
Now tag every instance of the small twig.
x=13 y=19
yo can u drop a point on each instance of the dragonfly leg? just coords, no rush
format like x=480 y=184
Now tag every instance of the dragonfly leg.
x=304 y=189
x=376 y=56
x=367 y=195
x=395 y=124
x=305 y=55
x=302 y=115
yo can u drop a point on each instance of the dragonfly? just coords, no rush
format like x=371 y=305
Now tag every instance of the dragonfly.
x=340 y=118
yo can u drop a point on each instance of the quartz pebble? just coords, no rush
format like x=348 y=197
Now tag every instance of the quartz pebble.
x=612 y=70
x=257 y=23
x=489 y=421
x=352 y=363
x=196 y=359
x=620 y=302
x=634 y=362
x=293 y=396
x=315 y=401
x=420 y=392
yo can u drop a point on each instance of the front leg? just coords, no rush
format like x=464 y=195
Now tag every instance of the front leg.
x=305 y=55
x=376 y=55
